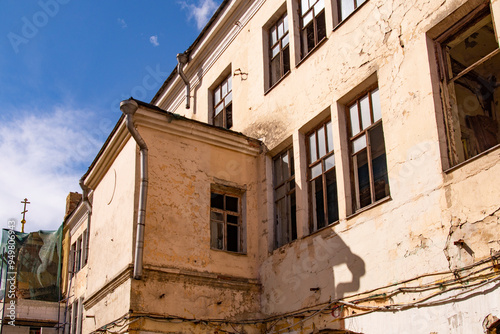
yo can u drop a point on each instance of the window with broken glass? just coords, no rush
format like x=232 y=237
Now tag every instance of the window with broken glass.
x=223 y=104
x=469 y=59
x=322 y=178
x=285 y=230
x=313 y=25
x=225 y=222
x=346 y=8
x=279 y=50
x=368 y=157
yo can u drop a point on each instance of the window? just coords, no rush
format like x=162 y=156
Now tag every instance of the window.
x=346 y=7
x=367 y=146
x=78 y=256
x=313 y=26
x=85 y=248
x=470 y=67
x=74 y=316
x=279 y=50
x=72 y=259
x=35 y=330
x=223 y=104
x=285 y=229
x=322 y=179
x=225 y=221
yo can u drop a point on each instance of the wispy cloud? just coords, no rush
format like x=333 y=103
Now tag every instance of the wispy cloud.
x=43 y=157
x=154 y=40
x=200 y=12
x=122 y=23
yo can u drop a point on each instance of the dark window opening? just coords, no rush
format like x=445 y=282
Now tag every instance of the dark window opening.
x=322 y=178
x=369 y=163
x=225 y=222
x=470 y=67
x=313 y=24
x=285 y=230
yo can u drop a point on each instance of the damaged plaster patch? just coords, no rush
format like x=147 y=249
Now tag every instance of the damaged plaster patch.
x=468 y=241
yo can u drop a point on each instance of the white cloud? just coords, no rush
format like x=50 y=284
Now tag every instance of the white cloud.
x=154 y=40
x=43 y=157
x=202 y=12
x=122 y=23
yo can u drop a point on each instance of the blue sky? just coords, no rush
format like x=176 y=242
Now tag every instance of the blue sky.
x=64 y=67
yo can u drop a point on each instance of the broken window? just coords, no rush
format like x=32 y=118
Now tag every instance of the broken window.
x=367 y=147
x=279 y=50
x=347 y=7
x=285 y=229
x=470 y=66
x=313 y=25
x=223 y=104
x=322 y=178
x=225 y=222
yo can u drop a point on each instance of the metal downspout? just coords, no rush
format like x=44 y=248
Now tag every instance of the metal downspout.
x=182 y=59
x=129 y=107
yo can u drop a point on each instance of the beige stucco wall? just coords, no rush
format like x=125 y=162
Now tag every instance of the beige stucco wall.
x=111 y=240
x=414 y=232
x=182 y=274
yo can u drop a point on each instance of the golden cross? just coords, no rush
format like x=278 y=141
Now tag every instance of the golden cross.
x=24 y=213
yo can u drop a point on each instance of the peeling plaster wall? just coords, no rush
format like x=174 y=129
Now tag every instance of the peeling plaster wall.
x=183 y=275
x=411 y=234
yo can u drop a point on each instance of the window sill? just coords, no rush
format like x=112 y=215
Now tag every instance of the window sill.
x=368 y=207
x=474 y=158
x=277 y=82
x=316 y=47
x=341 y=23
x=229 y=252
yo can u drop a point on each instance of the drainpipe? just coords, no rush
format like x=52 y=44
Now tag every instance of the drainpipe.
x=129 y=107
x=182 y=59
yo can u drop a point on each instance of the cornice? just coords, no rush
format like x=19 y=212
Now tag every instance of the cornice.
x=209 y=50
x=204 y=133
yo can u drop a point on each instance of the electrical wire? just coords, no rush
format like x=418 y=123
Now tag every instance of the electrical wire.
x=469 y=283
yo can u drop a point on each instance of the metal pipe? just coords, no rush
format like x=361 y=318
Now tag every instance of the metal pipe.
x=182 y=59
x=129 y=107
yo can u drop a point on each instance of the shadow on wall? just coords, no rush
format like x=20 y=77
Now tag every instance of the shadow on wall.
x=310 y=271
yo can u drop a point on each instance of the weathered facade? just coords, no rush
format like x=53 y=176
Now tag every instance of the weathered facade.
x=336 y=172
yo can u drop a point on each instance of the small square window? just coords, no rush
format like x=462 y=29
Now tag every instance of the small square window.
x=226 y=222
x=469 y=59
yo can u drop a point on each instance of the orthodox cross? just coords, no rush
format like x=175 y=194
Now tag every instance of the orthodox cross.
x=24 y=214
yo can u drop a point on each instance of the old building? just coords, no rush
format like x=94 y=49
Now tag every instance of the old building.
x=309 y=167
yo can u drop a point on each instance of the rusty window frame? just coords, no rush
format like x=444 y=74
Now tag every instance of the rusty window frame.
x=363 y=132
x=288 y=196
